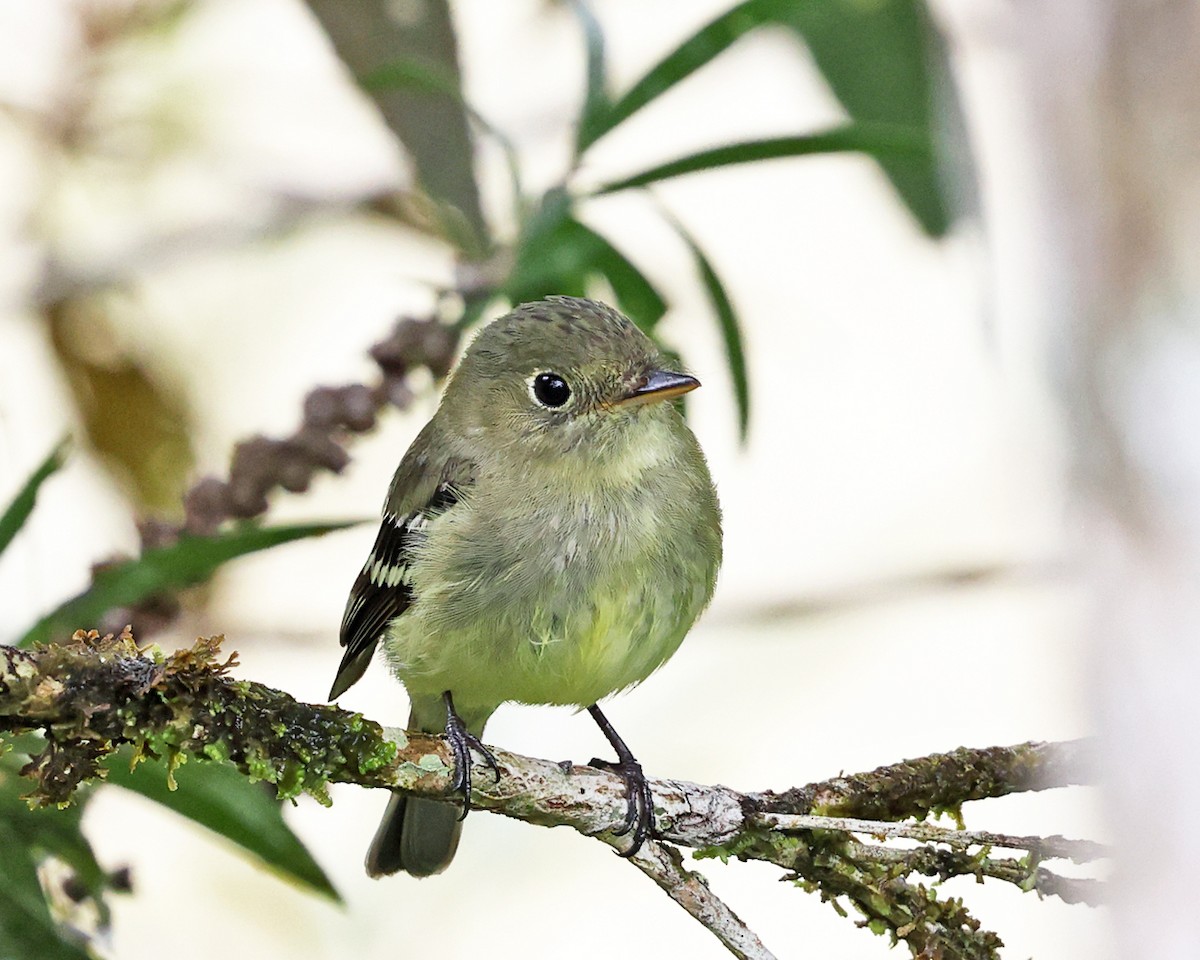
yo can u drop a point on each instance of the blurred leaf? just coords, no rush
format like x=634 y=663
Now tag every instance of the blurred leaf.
x=431 y=124
x=878 y=59
x=189 y=561
x=48 y=830
x=27 y=929
x=595 y=101
x=681 y=62
x=545 y=261
x=559 y=254
x=636 y=296
x=219 y=797
x=398 y=74
x=727 y=320
x=139 y=426
x=879 y=140
x=876 y=56
x=22 y=505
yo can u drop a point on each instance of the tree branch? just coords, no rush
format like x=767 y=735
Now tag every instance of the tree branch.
x=939 y=782
x=664 y=865
x=1044 y=848
x=93 y=695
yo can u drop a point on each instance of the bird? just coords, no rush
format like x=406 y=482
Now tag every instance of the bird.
x=549 y=537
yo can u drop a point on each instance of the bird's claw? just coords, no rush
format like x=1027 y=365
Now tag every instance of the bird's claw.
x=462 y=742
x=639 y=802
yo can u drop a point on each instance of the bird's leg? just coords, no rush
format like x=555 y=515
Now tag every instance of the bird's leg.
x=639 y=812
x=462 y=742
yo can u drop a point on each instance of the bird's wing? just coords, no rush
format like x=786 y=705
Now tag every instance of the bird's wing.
x=382 y=590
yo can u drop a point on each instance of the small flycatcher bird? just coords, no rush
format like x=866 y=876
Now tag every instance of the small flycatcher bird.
x=549 y=537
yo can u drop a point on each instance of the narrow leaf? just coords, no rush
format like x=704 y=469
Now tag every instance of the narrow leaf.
x=875 y=139
x=409 y=74
x=26 y=927
x=558 y=255
x=48 y=830
x=435 y=130
x=402 y=73
x=882 y=61
x=727 y=320
x=885 y=63
x=681 y=62
x=190 y=561
x=636 y=295
x=595 y=100
x=546 y=260
x=18 y=511
x=219 y=797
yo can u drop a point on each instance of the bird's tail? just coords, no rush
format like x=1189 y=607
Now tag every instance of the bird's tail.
x=416 y=835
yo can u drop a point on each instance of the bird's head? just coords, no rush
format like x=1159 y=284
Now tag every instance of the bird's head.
x=561 y=375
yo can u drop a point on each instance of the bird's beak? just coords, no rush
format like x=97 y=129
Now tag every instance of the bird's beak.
x=659 y=385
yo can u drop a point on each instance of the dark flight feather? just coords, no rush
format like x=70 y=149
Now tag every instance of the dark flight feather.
x=381 y=591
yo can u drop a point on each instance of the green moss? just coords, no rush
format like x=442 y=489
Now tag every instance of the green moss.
x=173 y=705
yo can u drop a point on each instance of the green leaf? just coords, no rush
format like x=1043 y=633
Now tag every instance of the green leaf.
x=551 y=257
x=681 y=62
x=595 y=100
x=727 y=320
x=22 y=505
x=879 y=140
x=217 y=796
x=403 y=73
x=879 y=59
x=433 y=127
x=190 y=561
x=48 y=830
x=636 y=295
x=558 y=254
x=421 y=77
x=26 y=927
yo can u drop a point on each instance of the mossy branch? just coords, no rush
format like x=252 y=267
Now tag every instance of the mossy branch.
x=95 y=694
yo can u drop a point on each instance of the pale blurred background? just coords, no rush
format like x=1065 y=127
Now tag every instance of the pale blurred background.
x=905 y=569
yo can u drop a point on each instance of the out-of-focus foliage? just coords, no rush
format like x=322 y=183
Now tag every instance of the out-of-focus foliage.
x=432 y=122
x=731 y=332
x=28 y=928
x=215 y=796
x=18 y=511
x=190 y=561
x=138 y=425
x=876 y=58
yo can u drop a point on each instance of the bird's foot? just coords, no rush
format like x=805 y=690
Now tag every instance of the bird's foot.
x=639 y=802
x=639 y=810
x=462 y=742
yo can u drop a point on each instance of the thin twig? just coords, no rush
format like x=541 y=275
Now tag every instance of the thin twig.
x=1044 y=848
x=943 y=864
x=664 y=865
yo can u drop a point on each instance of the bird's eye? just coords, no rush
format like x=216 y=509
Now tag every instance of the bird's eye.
x=551 y=390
